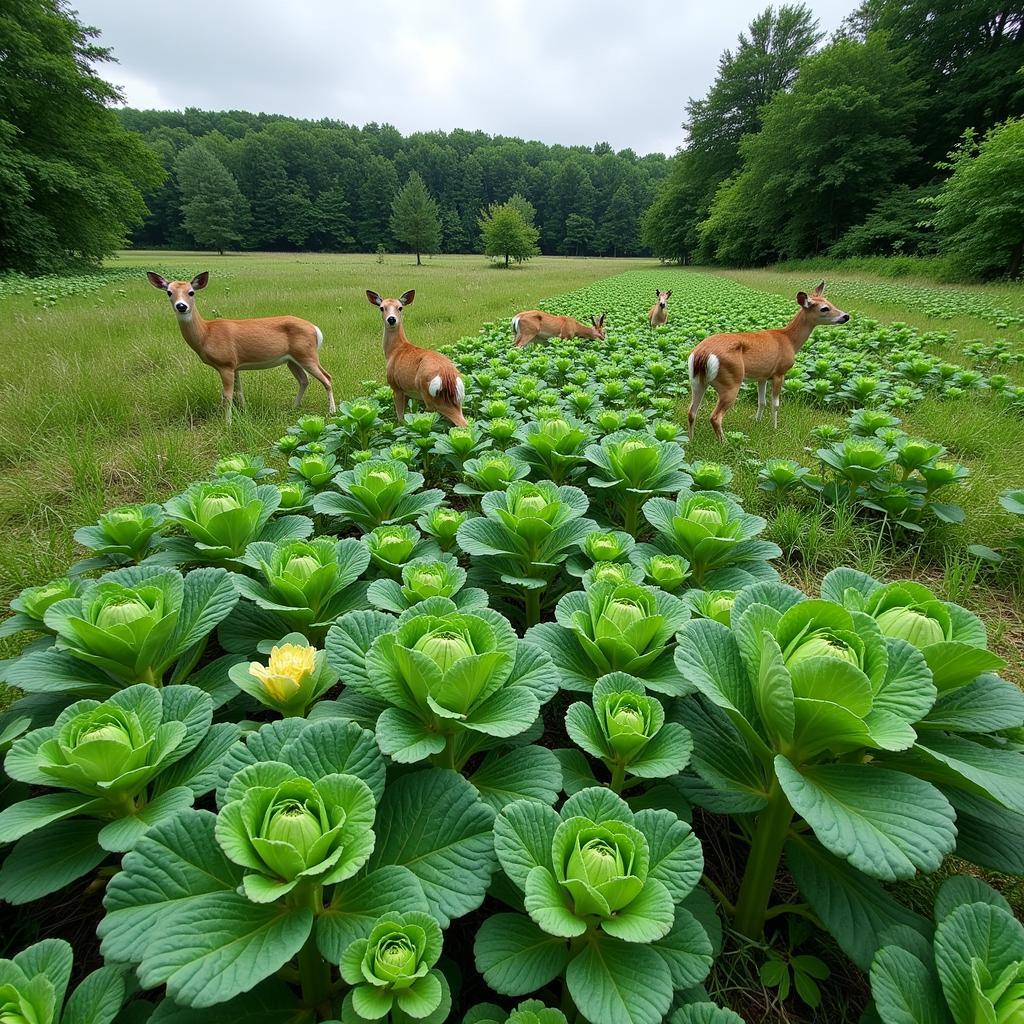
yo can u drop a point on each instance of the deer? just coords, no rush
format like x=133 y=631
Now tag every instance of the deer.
x=230 y=346
x=658 y=313
x=414 y=372
x=724 y=361
x=534 y=323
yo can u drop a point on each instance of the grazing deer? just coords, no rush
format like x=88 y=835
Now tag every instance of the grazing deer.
x=233 y=345
x=533 y=324
x=658 y=313
x=723 y=361
x=417 y=372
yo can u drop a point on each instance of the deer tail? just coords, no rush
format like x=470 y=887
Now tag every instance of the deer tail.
x=703 y=365
x=448 y=385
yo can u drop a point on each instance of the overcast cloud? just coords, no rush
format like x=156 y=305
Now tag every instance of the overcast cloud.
x=569 y=72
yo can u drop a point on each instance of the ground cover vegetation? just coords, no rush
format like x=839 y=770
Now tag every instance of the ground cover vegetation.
x=402 y=721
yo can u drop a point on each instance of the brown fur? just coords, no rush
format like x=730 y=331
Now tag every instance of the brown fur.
x=535 y=323
x=230 y=346
x=658 y=313
x=763 y=355
x=410 y=369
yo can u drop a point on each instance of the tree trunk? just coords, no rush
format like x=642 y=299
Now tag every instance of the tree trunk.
x=506 y=261
x=418 y=260
x=1015 y=260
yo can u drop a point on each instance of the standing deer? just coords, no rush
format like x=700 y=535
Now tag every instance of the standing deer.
x=723 y=361
x=233 y=345
x=534 y=323
x=417 y=372
x=658 y=313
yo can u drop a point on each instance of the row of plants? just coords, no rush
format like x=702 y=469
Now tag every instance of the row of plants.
x=436 y=721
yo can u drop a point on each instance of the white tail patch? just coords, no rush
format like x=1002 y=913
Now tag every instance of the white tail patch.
x=434 y=386
x=319 y=336
x=712 y=371
x=460 y=391
x=515 y=324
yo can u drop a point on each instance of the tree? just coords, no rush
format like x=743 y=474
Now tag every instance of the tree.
x=508 y=231
x=71 y=176
x=215 y=212
x=377 y=193
x=619 y=227
x=579 y=234
x=333 y=224
x=415 y=219
x=980 y=209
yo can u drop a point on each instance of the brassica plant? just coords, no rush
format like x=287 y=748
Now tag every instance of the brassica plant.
x=392 y=547
x=34 y=984
x=132 y=625
x=847 y=748
x=491 y=472
x=524 y=535
x=447 y=683
x=423 y=578
x=715 y=536
x=632 y=466
x=554 y=448
x=123 y=536
x=442 y=523
x=294 y=678
x=30 y=608
x=971 y=970
x=221 y=519
x=289 y=873
x=315 y=469
x=378 y=492
x=118 y=768
x=601 y=547
x=614 y=627
x=606 y=892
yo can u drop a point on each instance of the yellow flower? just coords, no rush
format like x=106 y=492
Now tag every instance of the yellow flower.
x=289 y=667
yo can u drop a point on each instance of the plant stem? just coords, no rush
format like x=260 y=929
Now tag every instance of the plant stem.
x=618 y=776
x=532 y=607
x=314 y=970
x=727 y=906
x=765 y=853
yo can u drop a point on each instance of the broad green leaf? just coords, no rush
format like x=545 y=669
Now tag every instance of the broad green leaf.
x=646 y=918
x=709 y=659
x=856 y=909
x=38 y=812
x=598 y=804
x=98 y=999
x=49 y=859
x=974 y=931
x=988 y=704
x=524 y=773
x=357 y=904
x=349 y=639
x=52 y=958
x=124 y=833
x=201 y=769
x=615 y=982
x=953 y=664
x=434 y=823
x=548 y=904
x=334 y=747
x=887 y=824
x=523 y=833
x=515 y=957
x=687 y=950
x=576 y=771
x=704 y=1013
x=174 y=910
x=966 y=889
x=906 y=689
x=987 y=834
x=271 y=1002
x=406 y=739
x=982 y=770
x=677 y=859
x=905 y=990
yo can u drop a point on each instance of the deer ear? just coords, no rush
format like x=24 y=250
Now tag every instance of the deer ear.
x=820 y=290
x=407 y=297
x=593 y=320
x=156 y=280
x=373 y=298
x=600 y=323
x=201 y=280
x=801 y=299
x=668 y=294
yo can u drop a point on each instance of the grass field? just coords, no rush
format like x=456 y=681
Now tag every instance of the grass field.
x=104 y=403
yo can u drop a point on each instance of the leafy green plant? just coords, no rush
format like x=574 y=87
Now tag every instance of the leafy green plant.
x=614 y=627
x=972 y=970
x=781 y=476
x=115 y=769
x=632 y=466
x=34 y=984
x=491 y=472
x=221 y=519
x=424 y=578
x=242 y=464
x=524 y=535
x=30 y=608
x=461 y=444
x=442 y=523
x=606 y=892
x=315 y=469
x=626 y=730
x=378 y=492
x=393 y=547
x=554 y=448
x=446 y=684
x=601 y=547
x=295 y=677
x=715 y=536
x=122 y=536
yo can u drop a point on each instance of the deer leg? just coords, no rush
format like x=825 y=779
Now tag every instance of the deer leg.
x=401 y=399
x=699 y=387
x=524 y=337
x=316 y=370
x=452 y=413
x=227 y=383
x=726 y=398
x=762 y=387
x=239 y=396
x=300 y=375
x=776 y=395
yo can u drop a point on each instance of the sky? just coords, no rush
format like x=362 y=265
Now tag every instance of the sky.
x=574 y=72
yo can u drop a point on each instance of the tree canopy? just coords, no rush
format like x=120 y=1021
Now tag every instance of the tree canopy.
x=508 y=231
x=415 y=220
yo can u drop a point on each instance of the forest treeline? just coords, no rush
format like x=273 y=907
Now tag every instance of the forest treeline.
x=899 y=135
x=325 y=185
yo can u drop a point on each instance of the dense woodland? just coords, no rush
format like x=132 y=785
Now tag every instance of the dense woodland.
x=899 y=135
